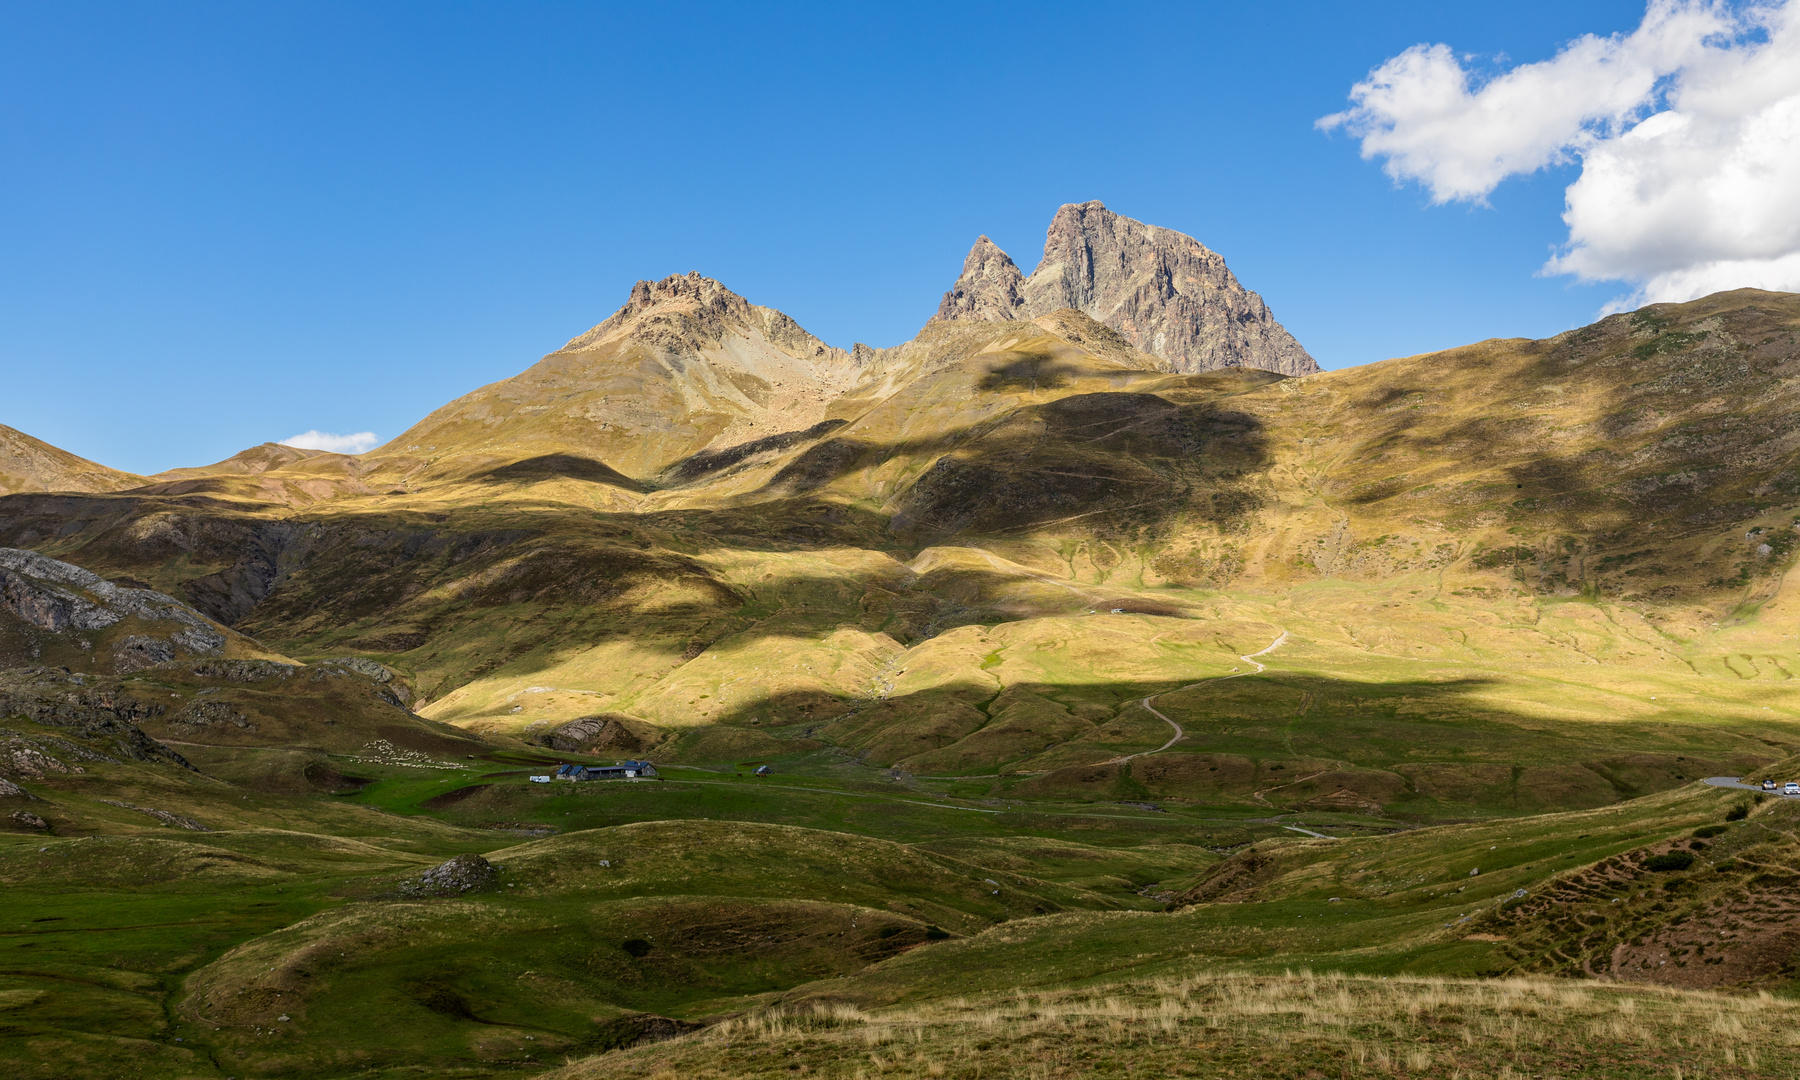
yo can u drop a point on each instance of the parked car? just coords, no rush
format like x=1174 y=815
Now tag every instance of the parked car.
x=1792 y=787
x=1768 y=785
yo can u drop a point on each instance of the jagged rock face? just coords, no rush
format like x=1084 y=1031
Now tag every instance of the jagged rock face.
x=56 y=598
x=991 y=287
x=1165 y=292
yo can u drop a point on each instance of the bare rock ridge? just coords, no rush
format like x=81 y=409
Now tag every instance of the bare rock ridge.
x=1165 y=292
x=689 y=373
x=688 y=312
x=991 y=287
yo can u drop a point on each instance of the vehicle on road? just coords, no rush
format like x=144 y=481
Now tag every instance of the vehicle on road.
x=1792 y=787
x=1768 y=785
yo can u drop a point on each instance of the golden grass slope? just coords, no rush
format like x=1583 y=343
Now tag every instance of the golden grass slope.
x=1206 y=1023
x=996 y=539
x=28 y=464
x=261 y=458
x=685 y=365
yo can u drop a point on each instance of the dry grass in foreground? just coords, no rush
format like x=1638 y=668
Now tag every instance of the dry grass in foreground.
x=1301 y=1026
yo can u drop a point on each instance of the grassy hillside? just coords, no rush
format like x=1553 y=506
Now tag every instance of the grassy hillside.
x=28 y=464
x=1207 y=1024
x=1099 y=705
x=1516 y=576
x=588 y=940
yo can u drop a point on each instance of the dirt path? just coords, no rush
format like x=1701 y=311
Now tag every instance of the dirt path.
x=846 y=794
x=1180 y=732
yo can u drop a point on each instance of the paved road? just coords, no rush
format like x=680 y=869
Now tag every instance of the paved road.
x=1732 y=781
x=1180 y=733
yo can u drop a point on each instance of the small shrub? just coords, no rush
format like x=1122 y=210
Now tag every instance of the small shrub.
x=935 y=933
x=887 y=931
x=1738 y=812
x=1669 y=861
x=637 y=946
x=1709 y=831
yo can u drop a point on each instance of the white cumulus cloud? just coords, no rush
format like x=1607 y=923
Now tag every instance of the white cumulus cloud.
x=1687 y=131
x=359 y=443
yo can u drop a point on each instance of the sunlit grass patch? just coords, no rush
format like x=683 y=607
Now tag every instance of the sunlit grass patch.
x=1297 y=1024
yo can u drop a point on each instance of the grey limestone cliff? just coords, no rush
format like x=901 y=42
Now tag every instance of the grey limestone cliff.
x=1165 y=292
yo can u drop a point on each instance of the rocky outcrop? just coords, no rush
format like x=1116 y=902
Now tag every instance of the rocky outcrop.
x=99 y=712
x=392 y=689
x=690 y=312
x=1165 y=292
x=174 y=821
x=463 y=874
x=614 y=733
x=58 y=597
x=23 y=819
x=212 y=714
x=991 y=287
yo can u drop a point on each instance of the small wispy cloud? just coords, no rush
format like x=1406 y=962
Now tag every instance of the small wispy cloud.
x=360 y=443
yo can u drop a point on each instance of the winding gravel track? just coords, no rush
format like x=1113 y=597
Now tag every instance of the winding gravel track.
x=1181 y=733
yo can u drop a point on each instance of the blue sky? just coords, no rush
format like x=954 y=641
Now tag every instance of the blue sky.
x=222 y=224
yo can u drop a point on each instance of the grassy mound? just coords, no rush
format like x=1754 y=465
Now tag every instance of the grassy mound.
x=507 y=982
x=730 y=858
x=578 y=931
x=1207 y=1024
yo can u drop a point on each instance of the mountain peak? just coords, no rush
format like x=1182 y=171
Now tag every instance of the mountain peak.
x=990 y=288
x=1164 y=291
x=684 y=312
x=266 y=457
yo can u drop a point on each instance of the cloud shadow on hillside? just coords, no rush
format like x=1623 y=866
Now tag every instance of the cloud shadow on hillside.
x=1654 y=468
x=1405 y=746
x=560 y=466
x=1112 y=463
